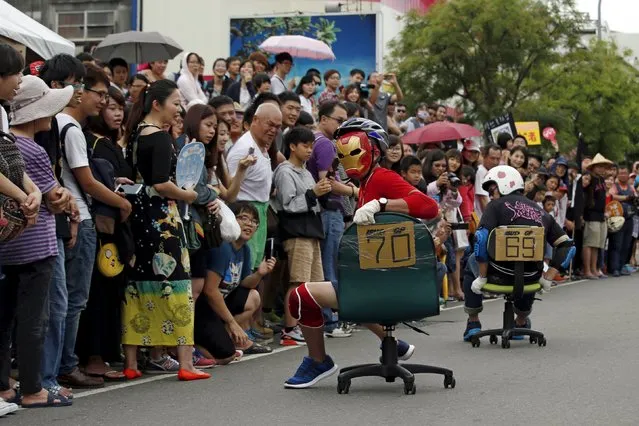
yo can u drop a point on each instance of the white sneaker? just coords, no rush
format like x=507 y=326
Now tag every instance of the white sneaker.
x=7 y=407
x=293 y=338
x=339 y=332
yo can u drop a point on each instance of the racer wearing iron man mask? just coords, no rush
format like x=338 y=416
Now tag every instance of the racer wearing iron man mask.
x=361 y=144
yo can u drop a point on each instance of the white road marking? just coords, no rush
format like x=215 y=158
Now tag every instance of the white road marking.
x=156 y=377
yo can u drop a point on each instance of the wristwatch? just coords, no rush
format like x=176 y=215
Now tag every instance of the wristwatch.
x=382 y=204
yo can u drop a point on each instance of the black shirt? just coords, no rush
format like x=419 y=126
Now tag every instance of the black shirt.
x=516 y=209
x=594 y=210
x=155 y=158
x=111 y=152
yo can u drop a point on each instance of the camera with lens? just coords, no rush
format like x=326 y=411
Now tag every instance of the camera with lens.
x=454 y=180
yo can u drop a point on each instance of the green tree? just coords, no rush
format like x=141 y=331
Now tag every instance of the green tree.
x=326 y=31
x=598 y=96
x=490 y=54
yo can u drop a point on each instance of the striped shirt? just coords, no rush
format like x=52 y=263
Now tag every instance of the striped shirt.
x=39 y=241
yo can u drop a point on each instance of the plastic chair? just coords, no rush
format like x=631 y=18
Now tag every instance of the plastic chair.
x=520 y=245
x=387 y=275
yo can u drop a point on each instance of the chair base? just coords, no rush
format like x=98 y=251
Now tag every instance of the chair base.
x=508 y=331
x=390 y=369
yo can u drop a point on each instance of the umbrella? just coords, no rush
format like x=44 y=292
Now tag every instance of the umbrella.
x=298 y=46
x=18 y=27
x=440 y=131
x=137 y=47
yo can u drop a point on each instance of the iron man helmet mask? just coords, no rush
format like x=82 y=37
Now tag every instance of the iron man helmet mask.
x=355 y=152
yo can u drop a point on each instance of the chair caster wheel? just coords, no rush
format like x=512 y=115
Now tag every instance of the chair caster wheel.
x=541 y=342
x=343 y=386
x=493 y=340
x=449 y=382
x=505 y=343
x=533 y=340
x=475 y=342
x=410 y=388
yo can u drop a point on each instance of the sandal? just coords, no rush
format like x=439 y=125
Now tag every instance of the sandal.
x=53 y=400
x=114 y=376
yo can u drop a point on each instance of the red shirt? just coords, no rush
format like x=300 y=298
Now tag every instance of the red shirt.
x=467 y=193
x=384 y=183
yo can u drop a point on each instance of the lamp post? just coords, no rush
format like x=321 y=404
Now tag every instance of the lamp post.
x=599 y=21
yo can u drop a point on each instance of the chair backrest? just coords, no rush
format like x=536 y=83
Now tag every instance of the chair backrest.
x=387 y=271
x=516 y=244
x=515 y=252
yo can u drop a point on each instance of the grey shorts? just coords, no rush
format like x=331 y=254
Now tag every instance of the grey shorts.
x=595 y=234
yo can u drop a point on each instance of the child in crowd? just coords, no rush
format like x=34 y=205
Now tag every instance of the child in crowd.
x=298 y=209
x=549 y=207
x=229 y=299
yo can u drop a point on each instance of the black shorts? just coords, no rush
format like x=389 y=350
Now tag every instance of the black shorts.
x=210 y=332
x=198 y=263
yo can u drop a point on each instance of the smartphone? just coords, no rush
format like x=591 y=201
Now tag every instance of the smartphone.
x=130 y=189
x=251 y=151
x=269 y=251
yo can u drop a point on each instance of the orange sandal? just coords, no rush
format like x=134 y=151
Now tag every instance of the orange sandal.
x=131 y=374
x=186 y=375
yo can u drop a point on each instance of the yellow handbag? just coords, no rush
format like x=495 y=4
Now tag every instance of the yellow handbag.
x=108 y=261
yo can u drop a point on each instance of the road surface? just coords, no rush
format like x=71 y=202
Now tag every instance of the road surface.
x=587 y=375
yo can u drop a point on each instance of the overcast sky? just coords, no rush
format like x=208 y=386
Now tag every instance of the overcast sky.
x=621 y=15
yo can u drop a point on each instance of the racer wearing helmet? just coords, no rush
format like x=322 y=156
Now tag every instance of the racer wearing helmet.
x=508 y=206
x=360 y=145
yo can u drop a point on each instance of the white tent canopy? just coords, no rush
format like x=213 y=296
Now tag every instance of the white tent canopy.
x=17 y=26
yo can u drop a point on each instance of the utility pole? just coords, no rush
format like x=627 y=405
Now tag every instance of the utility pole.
x=599 y=21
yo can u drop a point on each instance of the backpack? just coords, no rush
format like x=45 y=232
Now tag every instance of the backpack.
x=102 y=171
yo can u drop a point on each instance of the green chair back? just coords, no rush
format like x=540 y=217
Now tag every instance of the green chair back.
x=388 y=273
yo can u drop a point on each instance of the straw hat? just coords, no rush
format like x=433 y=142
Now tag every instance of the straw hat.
x=36 y=100
x=599 y=160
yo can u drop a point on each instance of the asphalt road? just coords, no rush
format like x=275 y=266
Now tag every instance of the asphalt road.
x=587 y=375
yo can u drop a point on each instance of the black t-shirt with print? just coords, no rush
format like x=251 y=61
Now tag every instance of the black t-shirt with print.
x=595 y=200
x=516 y=209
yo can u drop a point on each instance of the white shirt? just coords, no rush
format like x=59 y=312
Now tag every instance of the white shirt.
x=5 y=120
x=75 y=145
x=258 y=179
x=306 y=104
x=479 y=178
x=277 y=85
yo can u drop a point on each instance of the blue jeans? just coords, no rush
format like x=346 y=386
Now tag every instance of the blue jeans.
x=54 y=336
x=619 y=247
x=333 y=223
x=79 y=267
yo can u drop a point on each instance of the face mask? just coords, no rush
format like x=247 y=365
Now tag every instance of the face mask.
x=423 y=115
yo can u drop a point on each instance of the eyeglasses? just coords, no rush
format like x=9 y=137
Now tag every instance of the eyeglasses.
x=397 y=147
x=76 y=86
x=400 y=110
x=103 y=95
x=248 y=220
x=339 y=120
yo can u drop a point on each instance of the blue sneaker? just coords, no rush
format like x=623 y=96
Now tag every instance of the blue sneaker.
x=528 y=325
x=311 y=372
x=404 y=350
x=472 y=328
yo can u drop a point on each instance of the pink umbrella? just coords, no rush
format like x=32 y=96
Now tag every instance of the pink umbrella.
x=440 y=131
x=298 y=46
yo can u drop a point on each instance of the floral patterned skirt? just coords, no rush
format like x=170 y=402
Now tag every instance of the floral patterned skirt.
x=157 y=309
x=158 y=314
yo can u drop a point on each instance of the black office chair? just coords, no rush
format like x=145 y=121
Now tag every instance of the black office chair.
x=522 y=246
x=387 y=275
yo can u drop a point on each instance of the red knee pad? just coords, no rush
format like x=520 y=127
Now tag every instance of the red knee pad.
x=304 y=308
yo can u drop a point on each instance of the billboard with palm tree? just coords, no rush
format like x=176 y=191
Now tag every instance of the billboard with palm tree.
x=353 y=39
